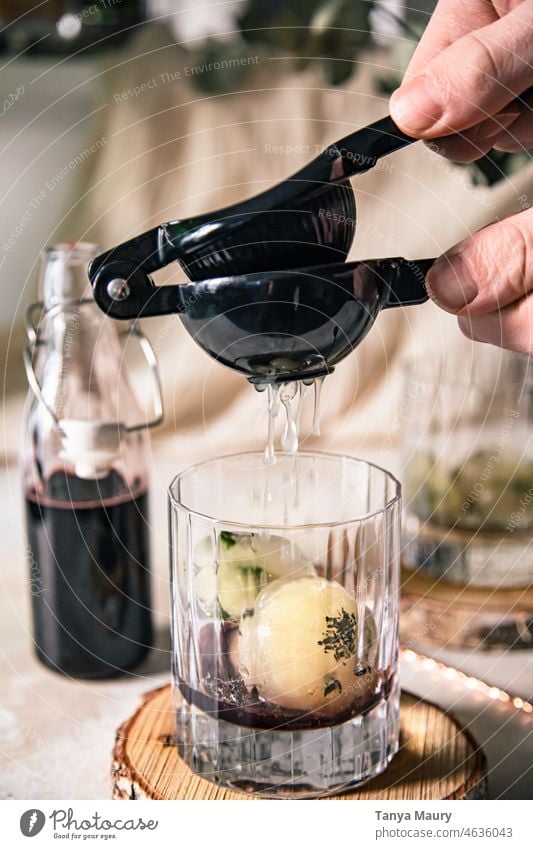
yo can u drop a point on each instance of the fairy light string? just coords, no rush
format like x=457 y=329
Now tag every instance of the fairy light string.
x=450 y=673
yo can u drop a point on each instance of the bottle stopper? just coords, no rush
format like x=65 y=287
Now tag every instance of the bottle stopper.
x=91 y=446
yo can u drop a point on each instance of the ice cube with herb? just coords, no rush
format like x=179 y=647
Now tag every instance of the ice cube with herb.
x=300 y=646
x=231 y=568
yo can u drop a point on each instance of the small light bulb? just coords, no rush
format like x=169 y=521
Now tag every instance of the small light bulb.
x=468 y=681
x=69 y=27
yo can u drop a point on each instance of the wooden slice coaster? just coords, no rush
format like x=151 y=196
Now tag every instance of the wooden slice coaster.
x=438 y=759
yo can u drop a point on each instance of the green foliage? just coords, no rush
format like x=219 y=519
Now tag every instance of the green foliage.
x=328 y=33
x=332 y=32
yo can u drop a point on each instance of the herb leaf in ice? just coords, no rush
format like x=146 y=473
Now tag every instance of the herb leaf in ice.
x=227 y=539
x=331 y=685
x=339 y=636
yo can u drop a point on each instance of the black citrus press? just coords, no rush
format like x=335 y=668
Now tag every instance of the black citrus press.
x=272 y=295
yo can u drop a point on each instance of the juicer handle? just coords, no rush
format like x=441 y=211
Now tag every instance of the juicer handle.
x=361 y=151
x=354 y=154
x=404 y=282
x=33 y=341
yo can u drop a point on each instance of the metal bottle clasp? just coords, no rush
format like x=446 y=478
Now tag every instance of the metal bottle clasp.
x=132 y=330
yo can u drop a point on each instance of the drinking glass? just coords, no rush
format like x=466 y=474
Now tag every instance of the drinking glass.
x=285 y=583
x=468 y=528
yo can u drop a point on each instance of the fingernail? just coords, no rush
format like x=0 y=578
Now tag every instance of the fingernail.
x=505 y=119
x=449 y=282
x=415 y=107
x=498 y=125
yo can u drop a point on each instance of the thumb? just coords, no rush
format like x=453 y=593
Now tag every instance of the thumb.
x=469 y=81
x=510 y=328
x=487 y=271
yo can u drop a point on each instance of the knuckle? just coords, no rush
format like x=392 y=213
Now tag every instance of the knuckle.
x=500 y=257
x=485 y=69
x=519 y=244
x=467 y=77
x=477 y=262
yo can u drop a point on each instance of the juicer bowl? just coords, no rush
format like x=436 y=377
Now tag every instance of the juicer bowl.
x=274 y=326
x=295 y=324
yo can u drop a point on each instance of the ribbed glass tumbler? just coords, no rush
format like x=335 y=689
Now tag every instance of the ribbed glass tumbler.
x=285 y=584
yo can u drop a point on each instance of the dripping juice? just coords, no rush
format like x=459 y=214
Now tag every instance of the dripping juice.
x=289 y=395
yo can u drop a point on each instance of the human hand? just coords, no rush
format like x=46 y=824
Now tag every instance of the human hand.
x=467 y=86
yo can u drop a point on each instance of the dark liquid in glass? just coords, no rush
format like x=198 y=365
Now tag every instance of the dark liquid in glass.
x=226 y=697
x=89 y=575
x=254 y=712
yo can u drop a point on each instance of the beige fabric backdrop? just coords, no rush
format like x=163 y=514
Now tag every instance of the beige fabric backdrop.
x=172 y=152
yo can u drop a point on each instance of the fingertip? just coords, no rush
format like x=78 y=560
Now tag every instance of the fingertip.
x=415 y=107
x=467 y=328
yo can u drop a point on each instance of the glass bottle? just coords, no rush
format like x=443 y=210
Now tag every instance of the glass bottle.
x=85 y=480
